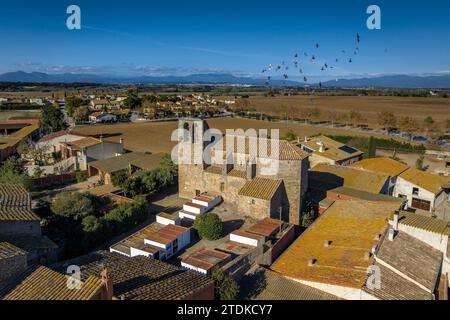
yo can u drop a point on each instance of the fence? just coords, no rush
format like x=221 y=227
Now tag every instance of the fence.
x=54 y=180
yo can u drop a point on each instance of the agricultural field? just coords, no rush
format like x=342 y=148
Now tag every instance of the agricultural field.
x=155 y=136
x=369 y=107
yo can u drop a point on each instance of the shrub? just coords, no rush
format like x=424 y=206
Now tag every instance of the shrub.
x=81 y=176
x=72 y=205
x=226 y=287
x=209 y=226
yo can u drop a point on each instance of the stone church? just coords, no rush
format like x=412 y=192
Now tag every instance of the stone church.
x=246 y=179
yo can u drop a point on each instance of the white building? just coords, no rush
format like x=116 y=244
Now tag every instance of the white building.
x=52 y=141
x=423 y=190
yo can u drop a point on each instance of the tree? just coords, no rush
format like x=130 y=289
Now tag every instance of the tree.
x=39 y=153
x=73 y=103
x=420 y=162
x=73 y=205
x=387 y=120
x=52 y=120
x=119 y=179
x=127 y=215
x=408 y=125
x=372 y=148
x=308 y=215
x=81 y=113
x=13 y=171
x=428 y=123
x=208 y=226
x=226 y=287
x=290 y=136
x=132 y=100
x=167 y=164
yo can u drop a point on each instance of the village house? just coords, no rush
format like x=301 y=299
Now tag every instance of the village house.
x=13 y=261
x=325 y=150
x=206 y=260
x=32 y=284
x=161 y=240
x=422 y=190
x=432 y=231
x=52 y=141
x=109 y=276
x=325 y=177
x=90 y=149
x=383 y=165
x=326 y=258
x=242 y=181
x=130 y=162
x=101 y=117
x=21 y=227
x=10 y=143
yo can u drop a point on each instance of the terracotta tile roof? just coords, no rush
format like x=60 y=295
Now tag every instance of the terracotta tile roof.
x=7 y=250
x=238 y=173
x=15 y=203
x=384 y=165
x=141 y=278
x=42 y=283
x=333 y=176
x=425 y=223
x=363 y=195
x=54 y=135
x=413 y=258
x=167 y=234
x=136 y=239
x=281 y=288
x=206 y=259
x=122 y=162
x=246 y=234
x=332 y=148
x=286 y=150
x=395 y=287
x=425 y=180
x=214 y=170
x=85 y=142
x=265 y=227
x=260 y=188
x=337 y=243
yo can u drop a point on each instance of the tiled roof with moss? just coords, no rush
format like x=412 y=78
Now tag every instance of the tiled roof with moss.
x=260 y=188
x=425 y=180
x=338 y=244
x=42 y=283
x=15 y=203
x=384 y=165
x=141 y=278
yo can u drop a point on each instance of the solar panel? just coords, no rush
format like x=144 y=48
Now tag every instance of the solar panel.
x=348 y=149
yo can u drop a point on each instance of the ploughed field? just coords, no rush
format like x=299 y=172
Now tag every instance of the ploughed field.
x=369 y=107
x=156 y=136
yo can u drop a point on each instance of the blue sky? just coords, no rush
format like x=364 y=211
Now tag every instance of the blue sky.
x=241 y=37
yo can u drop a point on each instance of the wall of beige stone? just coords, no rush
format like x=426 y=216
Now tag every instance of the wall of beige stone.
x=11 y=267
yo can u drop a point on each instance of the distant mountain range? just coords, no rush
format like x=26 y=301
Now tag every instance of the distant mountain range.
x=391 y=81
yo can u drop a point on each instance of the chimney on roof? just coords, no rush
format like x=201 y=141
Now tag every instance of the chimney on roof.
x=306 y=138
x=395 y=220
x=321 y=147
x=327 y=243
x=391 y=234
x=367 y=256
x=121 y=141
x=107 y=285
x=251 y=169
x=312 y=262
x=374 y=249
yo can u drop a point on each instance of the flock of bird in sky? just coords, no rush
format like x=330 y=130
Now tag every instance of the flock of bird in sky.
x=283 y=68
